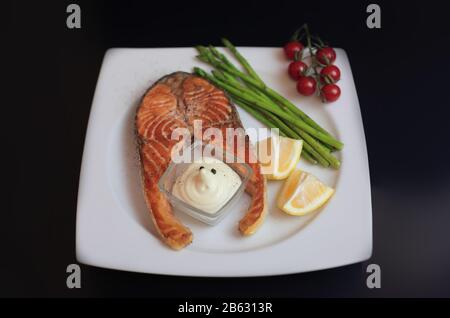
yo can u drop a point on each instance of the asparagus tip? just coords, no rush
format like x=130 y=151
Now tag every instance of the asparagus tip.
x=200 y=48
x=226 y=42
x=199 y=71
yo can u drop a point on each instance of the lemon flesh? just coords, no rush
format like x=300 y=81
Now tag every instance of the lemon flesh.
x=303 y=193
x=279 y=156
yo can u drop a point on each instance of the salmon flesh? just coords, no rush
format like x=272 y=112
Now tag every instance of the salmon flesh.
x=176 y=101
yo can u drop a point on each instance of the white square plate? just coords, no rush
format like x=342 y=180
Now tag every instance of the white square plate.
x=114 y=228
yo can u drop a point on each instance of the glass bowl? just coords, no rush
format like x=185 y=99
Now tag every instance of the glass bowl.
x=177 y=168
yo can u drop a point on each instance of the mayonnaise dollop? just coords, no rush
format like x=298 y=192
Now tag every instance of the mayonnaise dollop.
x=207 y=184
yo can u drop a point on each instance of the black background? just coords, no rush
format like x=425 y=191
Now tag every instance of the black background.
x=48 y=79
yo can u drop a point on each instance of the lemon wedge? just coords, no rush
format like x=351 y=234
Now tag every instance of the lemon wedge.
x=279 y=156
x=303 y=193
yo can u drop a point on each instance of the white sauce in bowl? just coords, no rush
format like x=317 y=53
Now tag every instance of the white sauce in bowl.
x=207 y=184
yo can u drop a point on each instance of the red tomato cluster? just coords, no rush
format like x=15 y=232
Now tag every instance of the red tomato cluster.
x=309 y=79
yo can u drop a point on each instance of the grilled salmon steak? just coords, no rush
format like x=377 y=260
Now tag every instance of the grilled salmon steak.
x=176 y=101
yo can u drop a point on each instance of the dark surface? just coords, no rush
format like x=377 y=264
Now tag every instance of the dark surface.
x=401 y=72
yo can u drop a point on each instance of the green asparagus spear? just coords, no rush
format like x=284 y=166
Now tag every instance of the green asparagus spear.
x=270 y=92
x=250 y=96
x=278 y=123
x=221 y=57
x=242 y=60
x=265 y=120
x=309 y=141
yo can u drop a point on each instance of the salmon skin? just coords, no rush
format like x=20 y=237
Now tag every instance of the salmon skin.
x=176 y=101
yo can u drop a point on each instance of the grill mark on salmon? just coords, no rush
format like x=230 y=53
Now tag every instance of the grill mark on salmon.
x=205 y=102
x=175 y=101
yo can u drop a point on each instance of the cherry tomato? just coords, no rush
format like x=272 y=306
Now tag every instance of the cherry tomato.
x=330 y=92
x=330 y=72
x=291 y=48
x=326 y=56
x=297 y=69
x=306 y=85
